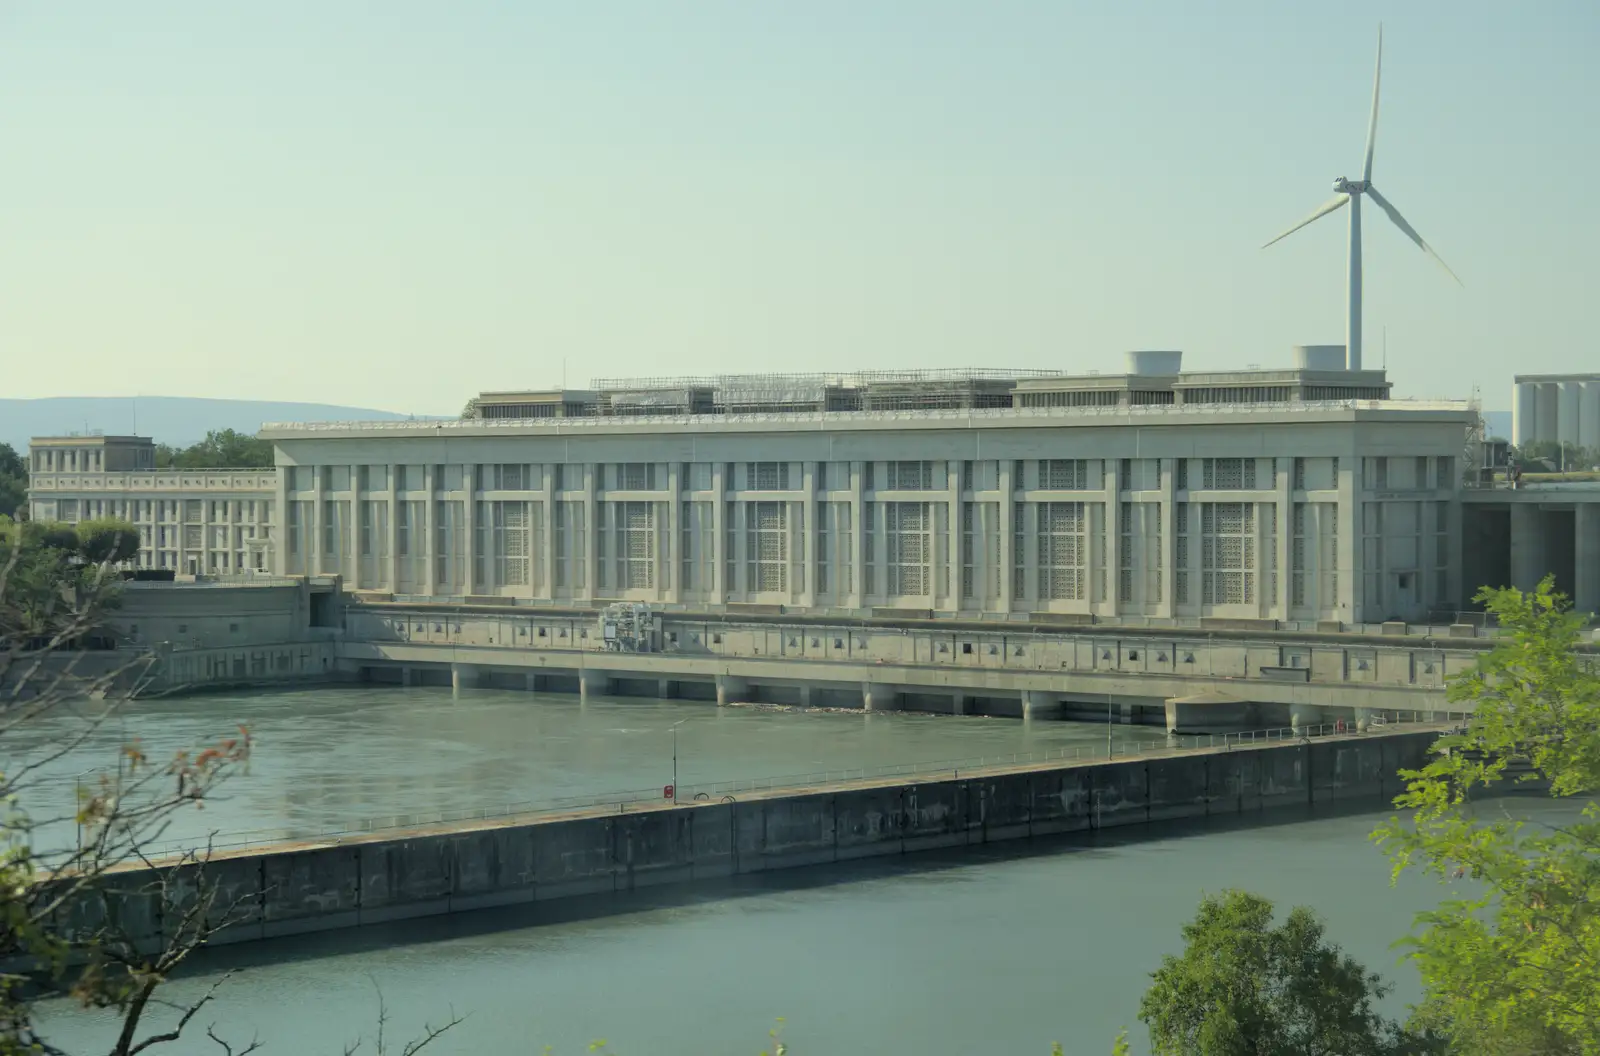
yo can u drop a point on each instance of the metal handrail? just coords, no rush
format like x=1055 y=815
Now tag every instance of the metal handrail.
x=619 y=802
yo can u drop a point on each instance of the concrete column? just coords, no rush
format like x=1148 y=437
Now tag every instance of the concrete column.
x=469 y=524
x=1528 y=562
x=952 y=549
x=1008 y=530
x=592 y=683
x=429 y=539
x=1112 y=557
x=805 y=696
x=1363 y=718
x=1545 y=411
x=719 y=532
x=809 y=517
x=730 y=690
x=591 y=552
x=673 y=577
x=858 y=536
x=1524 y=413
x=462 y=675
x=1169 y=541
x=1037 y=704
x=875 y=696
x=408 y=676
x=530 y=682
x=666 y=689
x=546 y=555
x=393 y=530
x=1349 y=601
x=1586 y=558
x=1567 y=411
x=1285 y=540
x=279 y=519
x=1304 y=715
x=959 y=703
x=1589 y=415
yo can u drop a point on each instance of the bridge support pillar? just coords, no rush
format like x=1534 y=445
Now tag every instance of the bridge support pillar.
x=1037 y=704
x=462 y=675
x=875 y=696
x=959 y=702
x=805 y=696
x=530 y=682
x=1304 y=715
x=592 y=683
x=666 y=689
x=1529 y=562
x=1586 y=559
x=729 y=690
x=408 y=676
x=1364 y=718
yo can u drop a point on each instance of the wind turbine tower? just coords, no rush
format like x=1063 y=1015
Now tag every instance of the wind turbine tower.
x=1349 y=192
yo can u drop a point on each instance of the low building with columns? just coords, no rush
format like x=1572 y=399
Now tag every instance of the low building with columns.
x=1556 y=408
x=1238 y=494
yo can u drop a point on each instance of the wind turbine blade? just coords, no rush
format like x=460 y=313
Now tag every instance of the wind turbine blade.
x=1411 y=232
x=1322 y=210
x=1372 y=125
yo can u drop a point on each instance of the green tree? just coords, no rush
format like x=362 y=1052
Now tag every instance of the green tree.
x=1516 y=967
x=107 y=539
x=221 y=449
x=1243 y=987
x=13 y=481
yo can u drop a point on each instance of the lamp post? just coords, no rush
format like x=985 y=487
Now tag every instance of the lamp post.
x=674 y=728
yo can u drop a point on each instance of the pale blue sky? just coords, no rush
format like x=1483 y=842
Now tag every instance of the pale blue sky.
x=398 y=204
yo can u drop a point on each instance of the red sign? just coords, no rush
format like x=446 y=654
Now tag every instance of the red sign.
x=667 y=791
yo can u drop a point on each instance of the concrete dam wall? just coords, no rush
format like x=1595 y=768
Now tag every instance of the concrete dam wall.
x=292 y=888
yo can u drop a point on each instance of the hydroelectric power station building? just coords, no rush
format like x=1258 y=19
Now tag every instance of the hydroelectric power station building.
x=1298 y=494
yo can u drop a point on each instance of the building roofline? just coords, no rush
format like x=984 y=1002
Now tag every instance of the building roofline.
x=854 y=421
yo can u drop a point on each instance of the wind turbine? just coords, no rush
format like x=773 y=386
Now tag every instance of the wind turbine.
x=1349 y=193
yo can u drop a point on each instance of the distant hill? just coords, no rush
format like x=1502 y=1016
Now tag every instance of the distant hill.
x=177 y=420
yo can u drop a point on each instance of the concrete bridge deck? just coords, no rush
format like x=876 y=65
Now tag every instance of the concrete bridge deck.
x=1028 y=670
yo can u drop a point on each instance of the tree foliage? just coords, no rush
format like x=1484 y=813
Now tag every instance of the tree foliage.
x=13 y=481
x=221 y=449
x=1516 y=967
x=108 y=540
x=1244 y=987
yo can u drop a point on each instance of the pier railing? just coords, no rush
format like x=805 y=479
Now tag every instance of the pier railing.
x=621 y=802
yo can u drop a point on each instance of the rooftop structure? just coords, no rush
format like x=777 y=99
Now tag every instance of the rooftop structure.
x=1151 y=378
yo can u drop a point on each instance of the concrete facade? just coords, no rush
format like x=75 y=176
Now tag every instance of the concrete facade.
x=1310 y=511
x=1517 y=537
x=313 y=886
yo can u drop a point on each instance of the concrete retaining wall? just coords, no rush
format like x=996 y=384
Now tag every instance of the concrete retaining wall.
x=288 y=889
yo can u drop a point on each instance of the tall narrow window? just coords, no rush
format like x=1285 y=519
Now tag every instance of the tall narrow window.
x=636 y=545
x=1227 y=553
x=908 y=549
x=767 y=546
x=1063 y=550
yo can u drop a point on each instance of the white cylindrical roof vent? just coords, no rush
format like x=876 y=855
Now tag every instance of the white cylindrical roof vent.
x=1153 y=362
x=1319 y=357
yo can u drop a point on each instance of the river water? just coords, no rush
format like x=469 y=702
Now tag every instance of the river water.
x=329 y=760
x=995 y=950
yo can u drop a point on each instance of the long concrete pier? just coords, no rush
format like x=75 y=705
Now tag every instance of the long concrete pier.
x=316 y=886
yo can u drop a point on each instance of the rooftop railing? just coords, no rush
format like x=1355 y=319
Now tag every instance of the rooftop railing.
x=843 y=419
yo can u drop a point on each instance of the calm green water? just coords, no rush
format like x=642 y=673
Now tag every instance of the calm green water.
x=325 y=760
x=992 y=952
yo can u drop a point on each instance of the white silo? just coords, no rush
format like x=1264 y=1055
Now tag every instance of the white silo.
x=1319 y=357
x=1524 y=412
x=1159 y=363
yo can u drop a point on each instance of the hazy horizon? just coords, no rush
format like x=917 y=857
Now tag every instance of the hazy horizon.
x=400 y=205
